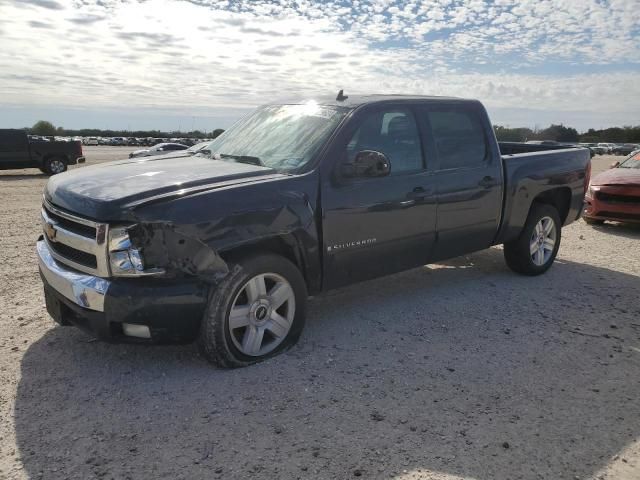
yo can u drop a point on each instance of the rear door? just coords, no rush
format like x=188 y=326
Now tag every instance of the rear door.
x=469 y=177
x=14 y=149
x=380 y=225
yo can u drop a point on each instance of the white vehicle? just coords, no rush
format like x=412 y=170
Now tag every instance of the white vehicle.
x=91 y=141
x=159 y=149
x=607 y=146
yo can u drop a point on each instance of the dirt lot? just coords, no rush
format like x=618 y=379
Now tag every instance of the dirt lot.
x=457 y=370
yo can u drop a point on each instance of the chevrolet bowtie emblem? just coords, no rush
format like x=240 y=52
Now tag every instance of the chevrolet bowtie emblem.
x=50 y=231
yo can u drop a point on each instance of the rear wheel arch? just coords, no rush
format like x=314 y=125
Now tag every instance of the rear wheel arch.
x=559 y=198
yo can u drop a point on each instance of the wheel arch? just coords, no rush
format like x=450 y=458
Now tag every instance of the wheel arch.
x=559 y=198
x=51 y=156
x=288 y=246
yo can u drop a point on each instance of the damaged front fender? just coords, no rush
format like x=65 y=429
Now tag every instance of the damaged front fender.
x=165 y=246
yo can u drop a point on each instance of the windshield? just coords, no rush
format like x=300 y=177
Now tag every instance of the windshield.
x=282 y=137
x=633 y=161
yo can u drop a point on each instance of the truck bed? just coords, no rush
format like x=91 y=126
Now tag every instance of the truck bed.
x=553 y=170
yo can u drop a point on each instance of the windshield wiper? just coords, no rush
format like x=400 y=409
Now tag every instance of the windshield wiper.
x=241 y=159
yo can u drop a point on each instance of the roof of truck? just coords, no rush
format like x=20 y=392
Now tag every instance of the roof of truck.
x=353 y=101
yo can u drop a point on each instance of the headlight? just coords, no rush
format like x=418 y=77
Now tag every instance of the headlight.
x=124 y=258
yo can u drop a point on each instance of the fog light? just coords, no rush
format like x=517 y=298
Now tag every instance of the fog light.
x=132 y=330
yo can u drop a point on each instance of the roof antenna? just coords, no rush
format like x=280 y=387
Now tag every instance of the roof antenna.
x=341 y=96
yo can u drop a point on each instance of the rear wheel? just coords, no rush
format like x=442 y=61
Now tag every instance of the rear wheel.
x=534 y=251
x=257 y=312
x=55 y=165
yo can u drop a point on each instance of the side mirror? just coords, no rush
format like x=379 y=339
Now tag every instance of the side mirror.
x=368 y=163
x=615 y=164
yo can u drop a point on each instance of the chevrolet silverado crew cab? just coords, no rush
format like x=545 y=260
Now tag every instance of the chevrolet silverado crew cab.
x=295 y=199
x=51 y=157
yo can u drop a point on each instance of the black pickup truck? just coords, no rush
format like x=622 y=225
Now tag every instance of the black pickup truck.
x=293 y=200
x=51 y=157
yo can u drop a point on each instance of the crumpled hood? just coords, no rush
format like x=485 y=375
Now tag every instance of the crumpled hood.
x=617 y=176
x=106 y=191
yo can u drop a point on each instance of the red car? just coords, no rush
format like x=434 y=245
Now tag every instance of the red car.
x=615 y=194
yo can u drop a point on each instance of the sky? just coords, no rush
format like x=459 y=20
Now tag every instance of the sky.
x=185 y=64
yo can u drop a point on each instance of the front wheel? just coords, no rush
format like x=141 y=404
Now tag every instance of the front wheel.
x=256 y=312
x=534 y=251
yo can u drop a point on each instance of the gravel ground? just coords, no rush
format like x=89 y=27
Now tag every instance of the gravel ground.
x=455 y=370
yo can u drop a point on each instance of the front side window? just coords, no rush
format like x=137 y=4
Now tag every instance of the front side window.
x=393 y=133
x=282 y=137
x=459 y=138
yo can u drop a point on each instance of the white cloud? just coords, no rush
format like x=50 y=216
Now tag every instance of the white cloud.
x=206 y=54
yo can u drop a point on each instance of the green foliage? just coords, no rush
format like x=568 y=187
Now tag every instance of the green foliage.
x=96 y=132
x=560 y=133
x=505 y=134
x=44 y=128
x=217 y=132
x=615 y=134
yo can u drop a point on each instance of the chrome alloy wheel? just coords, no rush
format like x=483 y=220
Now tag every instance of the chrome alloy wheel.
x=543 y=241
x=57 y=166
x=261 y=315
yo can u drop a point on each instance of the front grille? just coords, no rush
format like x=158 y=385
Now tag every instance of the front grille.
x=613 y=198
x=76 y=242
x=76 y=256
x=79 y=228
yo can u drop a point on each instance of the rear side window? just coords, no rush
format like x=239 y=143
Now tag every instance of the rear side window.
x=12 y=141
x=459 y=138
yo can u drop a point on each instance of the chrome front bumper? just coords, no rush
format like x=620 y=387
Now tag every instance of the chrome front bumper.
x=84 y=290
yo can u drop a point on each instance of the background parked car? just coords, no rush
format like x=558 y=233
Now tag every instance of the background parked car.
x=607 y=146
x=625 y=148
x=19 y=150
x=542 y=142
x=594 y=148
x=158 y=149
x=615 y=194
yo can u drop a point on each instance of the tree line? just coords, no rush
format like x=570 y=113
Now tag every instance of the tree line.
x=561 y=133
x=47 y=129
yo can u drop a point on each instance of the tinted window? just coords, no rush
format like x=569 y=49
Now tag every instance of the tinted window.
x=393 y=133
x=459 y=138
x=12 y=141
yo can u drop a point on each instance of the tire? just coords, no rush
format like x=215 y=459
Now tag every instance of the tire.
x=230 y=342
x=593 y=221
x=520 y=255
x=54 y=165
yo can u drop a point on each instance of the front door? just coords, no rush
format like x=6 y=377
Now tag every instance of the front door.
x=380 y=225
